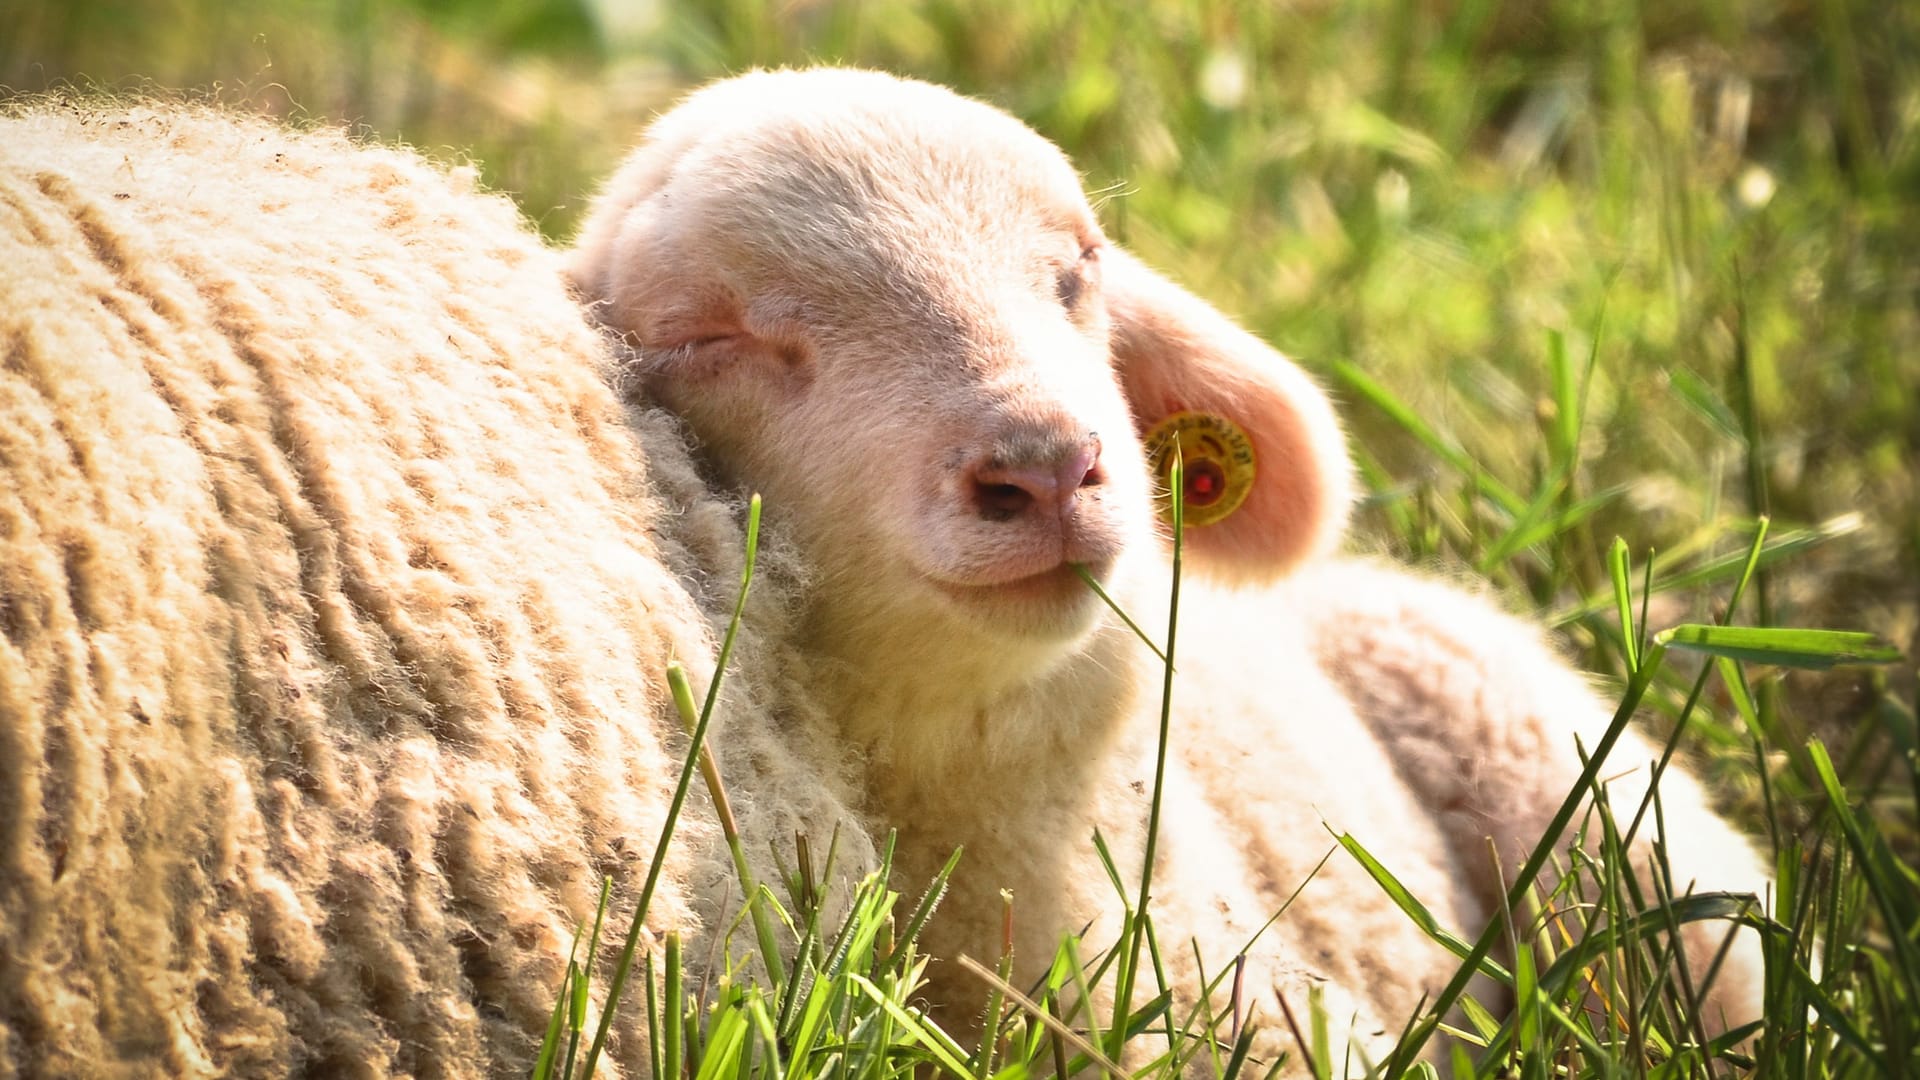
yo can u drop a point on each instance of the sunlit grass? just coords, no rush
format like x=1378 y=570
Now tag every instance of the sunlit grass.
x=1592 y=982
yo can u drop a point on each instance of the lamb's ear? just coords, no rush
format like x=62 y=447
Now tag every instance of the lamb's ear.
x=1268 y=479
x=637 y=260
x=623 y=211
x=647 y=274
x=653 y=286
x=626 y=261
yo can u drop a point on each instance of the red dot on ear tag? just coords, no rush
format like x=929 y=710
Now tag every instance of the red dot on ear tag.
x=1205 y=482
x=1219 y=464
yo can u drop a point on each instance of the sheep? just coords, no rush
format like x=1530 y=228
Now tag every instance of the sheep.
x=336 y=591
x=891 y=310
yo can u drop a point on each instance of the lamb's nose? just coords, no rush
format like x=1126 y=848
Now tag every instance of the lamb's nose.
x=1004 y=491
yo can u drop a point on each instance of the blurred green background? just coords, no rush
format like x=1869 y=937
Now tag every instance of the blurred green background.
x=1450 y=203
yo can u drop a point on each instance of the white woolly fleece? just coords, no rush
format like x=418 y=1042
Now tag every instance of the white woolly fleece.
x=336 y=590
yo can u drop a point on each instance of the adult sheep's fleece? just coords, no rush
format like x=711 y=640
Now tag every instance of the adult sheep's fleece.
x=335 y=595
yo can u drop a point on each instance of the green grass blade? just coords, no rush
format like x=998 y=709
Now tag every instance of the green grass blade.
x=1483 y=1022
x=1114 y=605
x=550 y=1043
x=759 y=901
x=1112 y=868
x=1761 y=526
x=1535 y=526
x=1424 y=433
x=573 y=988
x=656 y=1037
x=1086 y=1045
x=1563 y=434
x=1817 y=649
x=1408 y=1051
x=1712 y=571
x=617 y=984
x=1697 y=394
x=1526 y=997
x=1417 y=911
x=1618 y=573
x=1839 y=1017
x=1242 y=1045
x=726 y=1037
x=1130 y=962
x=1735 y=682
x=672 y=1009
x=1895 y=888
x=945 y=1051
x=761 y=1024
x=578 y=1021
x=929 y=902
x=806 y=1034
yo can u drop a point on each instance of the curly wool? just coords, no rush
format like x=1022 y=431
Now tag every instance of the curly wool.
x=335 y=594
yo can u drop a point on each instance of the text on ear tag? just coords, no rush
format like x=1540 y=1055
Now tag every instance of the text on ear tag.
x=1217 y=459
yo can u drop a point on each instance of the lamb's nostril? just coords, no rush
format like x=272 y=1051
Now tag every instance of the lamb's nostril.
x=1087 y=464
x=1002 y=492
x=1001 y=502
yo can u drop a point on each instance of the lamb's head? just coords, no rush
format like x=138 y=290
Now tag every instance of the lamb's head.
x=892 y=311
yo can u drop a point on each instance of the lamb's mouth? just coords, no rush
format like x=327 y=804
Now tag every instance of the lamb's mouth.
x=1060 y=584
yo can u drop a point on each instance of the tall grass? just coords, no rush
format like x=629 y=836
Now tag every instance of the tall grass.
x=1595 y=980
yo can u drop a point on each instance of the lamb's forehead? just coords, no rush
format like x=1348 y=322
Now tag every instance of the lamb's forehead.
x=784 y=150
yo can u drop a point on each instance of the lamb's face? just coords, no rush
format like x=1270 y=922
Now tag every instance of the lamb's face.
x=917 y=370
x=899 y=337
x=891 y=310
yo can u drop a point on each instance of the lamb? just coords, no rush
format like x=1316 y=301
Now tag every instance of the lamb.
x=336 y=589
x=891 y=310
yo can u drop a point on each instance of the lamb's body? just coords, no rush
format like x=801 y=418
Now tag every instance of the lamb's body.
x=903 y=325
x=336 y=590
x=1248 y=802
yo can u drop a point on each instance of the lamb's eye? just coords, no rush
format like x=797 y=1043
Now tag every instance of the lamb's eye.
x=1074 y=281
x=1069 y=287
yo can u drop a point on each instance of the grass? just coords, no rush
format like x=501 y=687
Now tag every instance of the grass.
x=1579 y=269
x=1592 y=971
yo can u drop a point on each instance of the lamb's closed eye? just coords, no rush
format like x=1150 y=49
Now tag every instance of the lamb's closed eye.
x=1073 y=283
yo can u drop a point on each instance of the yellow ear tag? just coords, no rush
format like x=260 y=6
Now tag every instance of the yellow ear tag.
x=1218 y=464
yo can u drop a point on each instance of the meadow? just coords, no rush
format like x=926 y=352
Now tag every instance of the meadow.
x=1578 y=270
